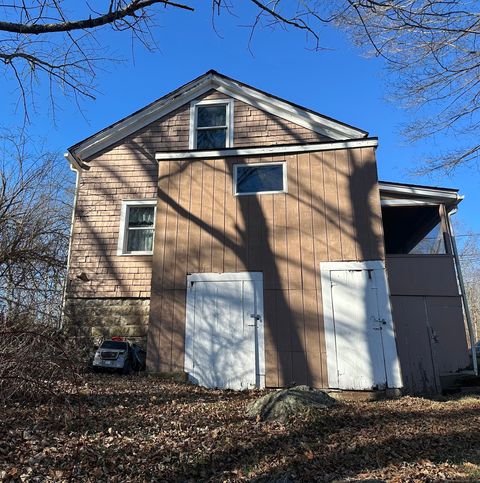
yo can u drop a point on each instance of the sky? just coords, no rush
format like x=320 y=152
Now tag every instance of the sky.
x=339 y=82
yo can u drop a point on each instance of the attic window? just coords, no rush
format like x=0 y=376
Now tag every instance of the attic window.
x=211 y=124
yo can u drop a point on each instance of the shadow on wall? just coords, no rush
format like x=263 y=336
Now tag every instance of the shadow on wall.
x=329 y=214
x=194 y=202
x=365 y=192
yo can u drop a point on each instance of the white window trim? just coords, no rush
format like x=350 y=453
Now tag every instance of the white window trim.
x=276 y=163
x=122 y=234
x=192 y=140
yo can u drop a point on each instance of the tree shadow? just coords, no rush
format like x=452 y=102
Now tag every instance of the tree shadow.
x=285 y=236
x=194 y=433
x=203 y=227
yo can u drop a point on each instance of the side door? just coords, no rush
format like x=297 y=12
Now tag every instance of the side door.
x=360 y=339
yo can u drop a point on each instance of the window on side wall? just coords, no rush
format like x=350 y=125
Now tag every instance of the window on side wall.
x=259 y=178
x=137 y=227
x=211 y=124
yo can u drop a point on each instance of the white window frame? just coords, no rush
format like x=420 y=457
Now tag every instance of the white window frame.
x=123 y=232
x=251 y=165
x=192 y=143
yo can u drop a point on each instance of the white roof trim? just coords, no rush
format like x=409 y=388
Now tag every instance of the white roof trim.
x=408 y=202
x=189 y=92
x=298 y=148
x=423 y=192
x=130 y=125
x=285 y=110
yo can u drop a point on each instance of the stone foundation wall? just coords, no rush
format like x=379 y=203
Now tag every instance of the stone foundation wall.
x=99 y=318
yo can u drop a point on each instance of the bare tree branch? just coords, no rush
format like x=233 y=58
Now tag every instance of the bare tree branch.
x=430 y=48
x=112 y=16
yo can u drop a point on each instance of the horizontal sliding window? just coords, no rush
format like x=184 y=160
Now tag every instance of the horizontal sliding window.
x=259 y=178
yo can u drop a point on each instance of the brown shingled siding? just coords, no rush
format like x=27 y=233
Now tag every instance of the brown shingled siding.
x=330 y=213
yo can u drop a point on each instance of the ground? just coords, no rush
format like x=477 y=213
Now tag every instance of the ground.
x=138 y=428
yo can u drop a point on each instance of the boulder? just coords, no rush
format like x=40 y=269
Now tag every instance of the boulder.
x=281 y=405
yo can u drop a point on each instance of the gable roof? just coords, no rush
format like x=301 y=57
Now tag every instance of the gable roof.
x=302 y=116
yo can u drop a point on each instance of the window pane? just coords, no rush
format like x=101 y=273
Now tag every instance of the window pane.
x=211 y=138
x=253 y=179
x=431 y=244
x=113 y=344
x=208 y=116
x=140 y=216
x=140 y=240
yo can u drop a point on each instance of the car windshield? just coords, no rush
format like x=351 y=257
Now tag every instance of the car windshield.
x=113 y=344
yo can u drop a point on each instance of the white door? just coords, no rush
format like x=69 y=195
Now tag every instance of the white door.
x=224 y=344
x=361 y=348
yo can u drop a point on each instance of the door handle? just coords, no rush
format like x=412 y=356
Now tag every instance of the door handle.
x=255 y=317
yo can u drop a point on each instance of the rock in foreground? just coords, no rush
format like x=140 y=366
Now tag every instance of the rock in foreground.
x=285 y=403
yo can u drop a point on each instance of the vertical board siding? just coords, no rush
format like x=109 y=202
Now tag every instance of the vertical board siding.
x=182 y=227
x=206 y=215
x=294 y=275
x=171 y=225
x=345 y=209
x=193 y=257
x=230 y=254
x=330 y=202
x=219 y=215
x=332 y=213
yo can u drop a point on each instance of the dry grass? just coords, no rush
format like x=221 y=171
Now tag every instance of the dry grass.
x=137 y=429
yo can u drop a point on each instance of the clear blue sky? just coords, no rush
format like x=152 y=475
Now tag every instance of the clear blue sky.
x=339 y=83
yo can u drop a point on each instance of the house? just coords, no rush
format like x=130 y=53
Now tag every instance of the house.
x=248 y=241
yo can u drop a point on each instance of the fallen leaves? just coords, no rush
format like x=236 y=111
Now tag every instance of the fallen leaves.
x=137 y=429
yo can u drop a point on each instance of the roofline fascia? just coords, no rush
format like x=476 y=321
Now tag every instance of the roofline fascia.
x=279 y=107
x=417 y=191
x=265 y=150
x=361 y=132
x=212 y=80
x=110 y=135
x=435 y=195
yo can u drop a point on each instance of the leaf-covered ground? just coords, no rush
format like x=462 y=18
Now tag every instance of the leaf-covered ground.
x=144 y=429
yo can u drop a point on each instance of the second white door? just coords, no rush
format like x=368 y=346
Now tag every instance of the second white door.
x=360 y=339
